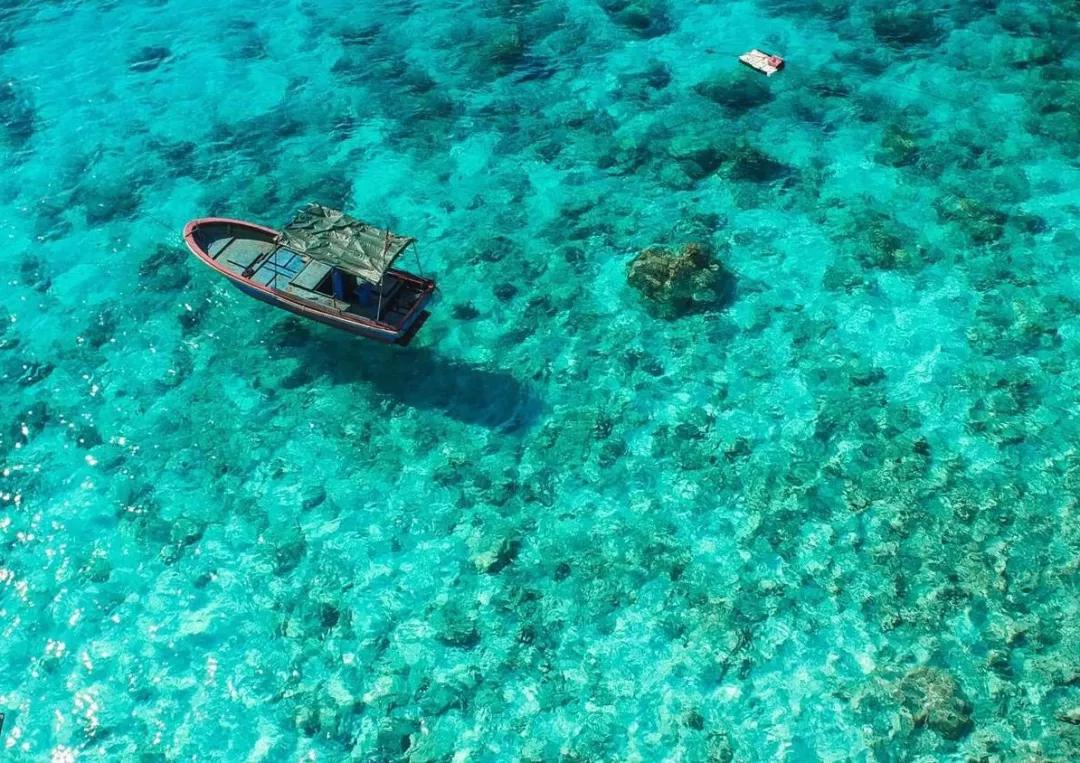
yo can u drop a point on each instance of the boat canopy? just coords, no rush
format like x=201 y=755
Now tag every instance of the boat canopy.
x=332 y=237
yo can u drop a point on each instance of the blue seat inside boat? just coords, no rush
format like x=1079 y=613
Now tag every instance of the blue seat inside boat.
x=337 y=280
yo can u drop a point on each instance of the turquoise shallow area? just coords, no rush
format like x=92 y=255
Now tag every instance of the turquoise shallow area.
x=834 y=520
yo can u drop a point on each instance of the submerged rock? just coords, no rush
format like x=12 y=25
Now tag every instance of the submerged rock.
x=84 y=434
x=181 y=157
x=102 y=327
x=533 y=68
x=289 y=550
x=644 y=18
x=886 y=245
x=870 y=240
x=737 y=92
x=907 y=26
x=97 y=568
x=898 y=147
x=361 y=35
x=504 y=50
x=830 y=10
x=747 y=162
x=29 y=373
x=312 y=496
x=454 y=626
x=27 y=424
x=936 y=700
x=163 y=270
x=34 y=273
x=17 y=117
x=981 y=223
x=504 y=291
x=502 y=557
x=624 y=157
x=184 y=531
x=1029 y=52
x=7 y=340
x=148 y=59
x=110 y=201
x=49 y=220
x=676 y=283
x=697 y=154
x=465 y=311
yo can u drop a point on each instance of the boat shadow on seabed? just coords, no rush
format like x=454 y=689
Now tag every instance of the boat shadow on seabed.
x=418 y=377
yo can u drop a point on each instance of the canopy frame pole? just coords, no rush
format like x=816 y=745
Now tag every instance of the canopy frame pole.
x=382 y=276
x=416 y=253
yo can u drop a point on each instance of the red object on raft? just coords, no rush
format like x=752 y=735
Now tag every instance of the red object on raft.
x=766 y=63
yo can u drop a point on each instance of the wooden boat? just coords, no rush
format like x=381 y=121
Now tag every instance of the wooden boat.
x=324 y=265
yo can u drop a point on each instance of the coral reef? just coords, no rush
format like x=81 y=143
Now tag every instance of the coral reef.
x=675 y=283
x=933 y=698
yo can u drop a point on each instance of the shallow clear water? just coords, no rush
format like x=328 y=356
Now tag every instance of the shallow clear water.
x=836 y=519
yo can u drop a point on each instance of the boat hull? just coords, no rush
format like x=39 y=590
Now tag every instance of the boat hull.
x=198 y=232
x=402 y=337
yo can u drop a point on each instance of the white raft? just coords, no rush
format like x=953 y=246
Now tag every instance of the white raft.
x=765 y=63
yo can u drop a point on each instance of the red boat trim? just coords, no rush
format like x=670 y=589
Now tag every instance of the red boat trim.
x=277 y=294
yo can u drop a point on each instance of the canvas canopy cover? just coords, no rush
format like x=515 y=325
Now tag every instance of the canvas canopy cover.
x=334 y=238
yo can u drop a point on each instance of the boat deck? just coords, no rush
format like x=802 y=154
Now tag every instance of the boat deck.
x=238 y=253
x=285 y=270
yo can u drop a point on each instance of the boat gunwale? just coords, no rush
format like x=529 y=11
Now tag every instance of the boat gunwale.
x=392 y=332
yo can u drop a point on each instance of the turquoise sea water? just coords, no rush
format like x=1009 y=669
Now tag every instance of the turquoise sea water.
x=836 y=520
